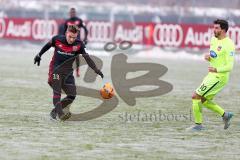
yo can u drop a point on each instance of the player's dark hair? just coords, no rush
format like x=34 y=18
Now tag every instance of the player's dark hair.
x=73 y=9
x=73 y=28
x=223 y=24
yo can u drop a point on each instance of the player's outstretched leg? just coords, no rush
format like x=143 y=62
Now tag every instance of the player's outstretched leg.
x=214 y=107
x=226 y=116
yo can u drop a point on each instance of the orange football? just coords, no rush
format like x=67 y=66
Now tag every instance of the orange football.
x=107 y=91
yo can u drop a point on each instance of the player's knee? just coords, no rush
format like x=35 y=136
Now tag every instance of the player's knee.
x=196 y=96
x=71 y=97
x=203 y=99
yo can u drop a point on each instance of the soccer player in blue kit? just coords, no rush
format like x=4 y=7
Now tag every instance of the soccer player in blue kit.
x=67 y=47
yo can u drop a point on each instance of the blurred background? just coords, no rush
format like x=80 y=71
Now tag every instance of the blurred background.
x=165 y=11
x=174 y=24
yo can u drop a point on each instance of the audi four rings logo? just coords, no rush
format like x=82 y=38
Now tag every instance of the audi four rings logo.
x=100 y=31
x=2 y=27
x=168 y=35
x=42 y=29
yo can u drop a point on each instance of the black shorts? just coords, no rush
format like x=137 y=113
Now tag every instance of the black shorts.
x=61 y=82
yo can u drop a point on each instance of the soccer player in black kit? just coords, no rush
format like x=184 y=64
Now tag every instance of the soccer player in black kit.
x=74 y=20
x=67 y=47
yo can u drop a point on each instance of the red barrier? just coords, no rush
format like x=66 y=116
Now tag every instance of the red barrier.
x=163 y=35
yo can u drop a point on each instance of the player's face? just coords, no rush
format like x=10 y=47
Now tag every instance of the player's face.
x=217 y=30
x=71 y=37
x=72 y=13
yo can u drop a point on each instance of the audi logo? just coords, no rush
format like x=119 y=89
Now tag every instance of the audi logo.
x=2 y=28
x=43 y=29
x=100 y=31
x=168 y=35
x=234 y=33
